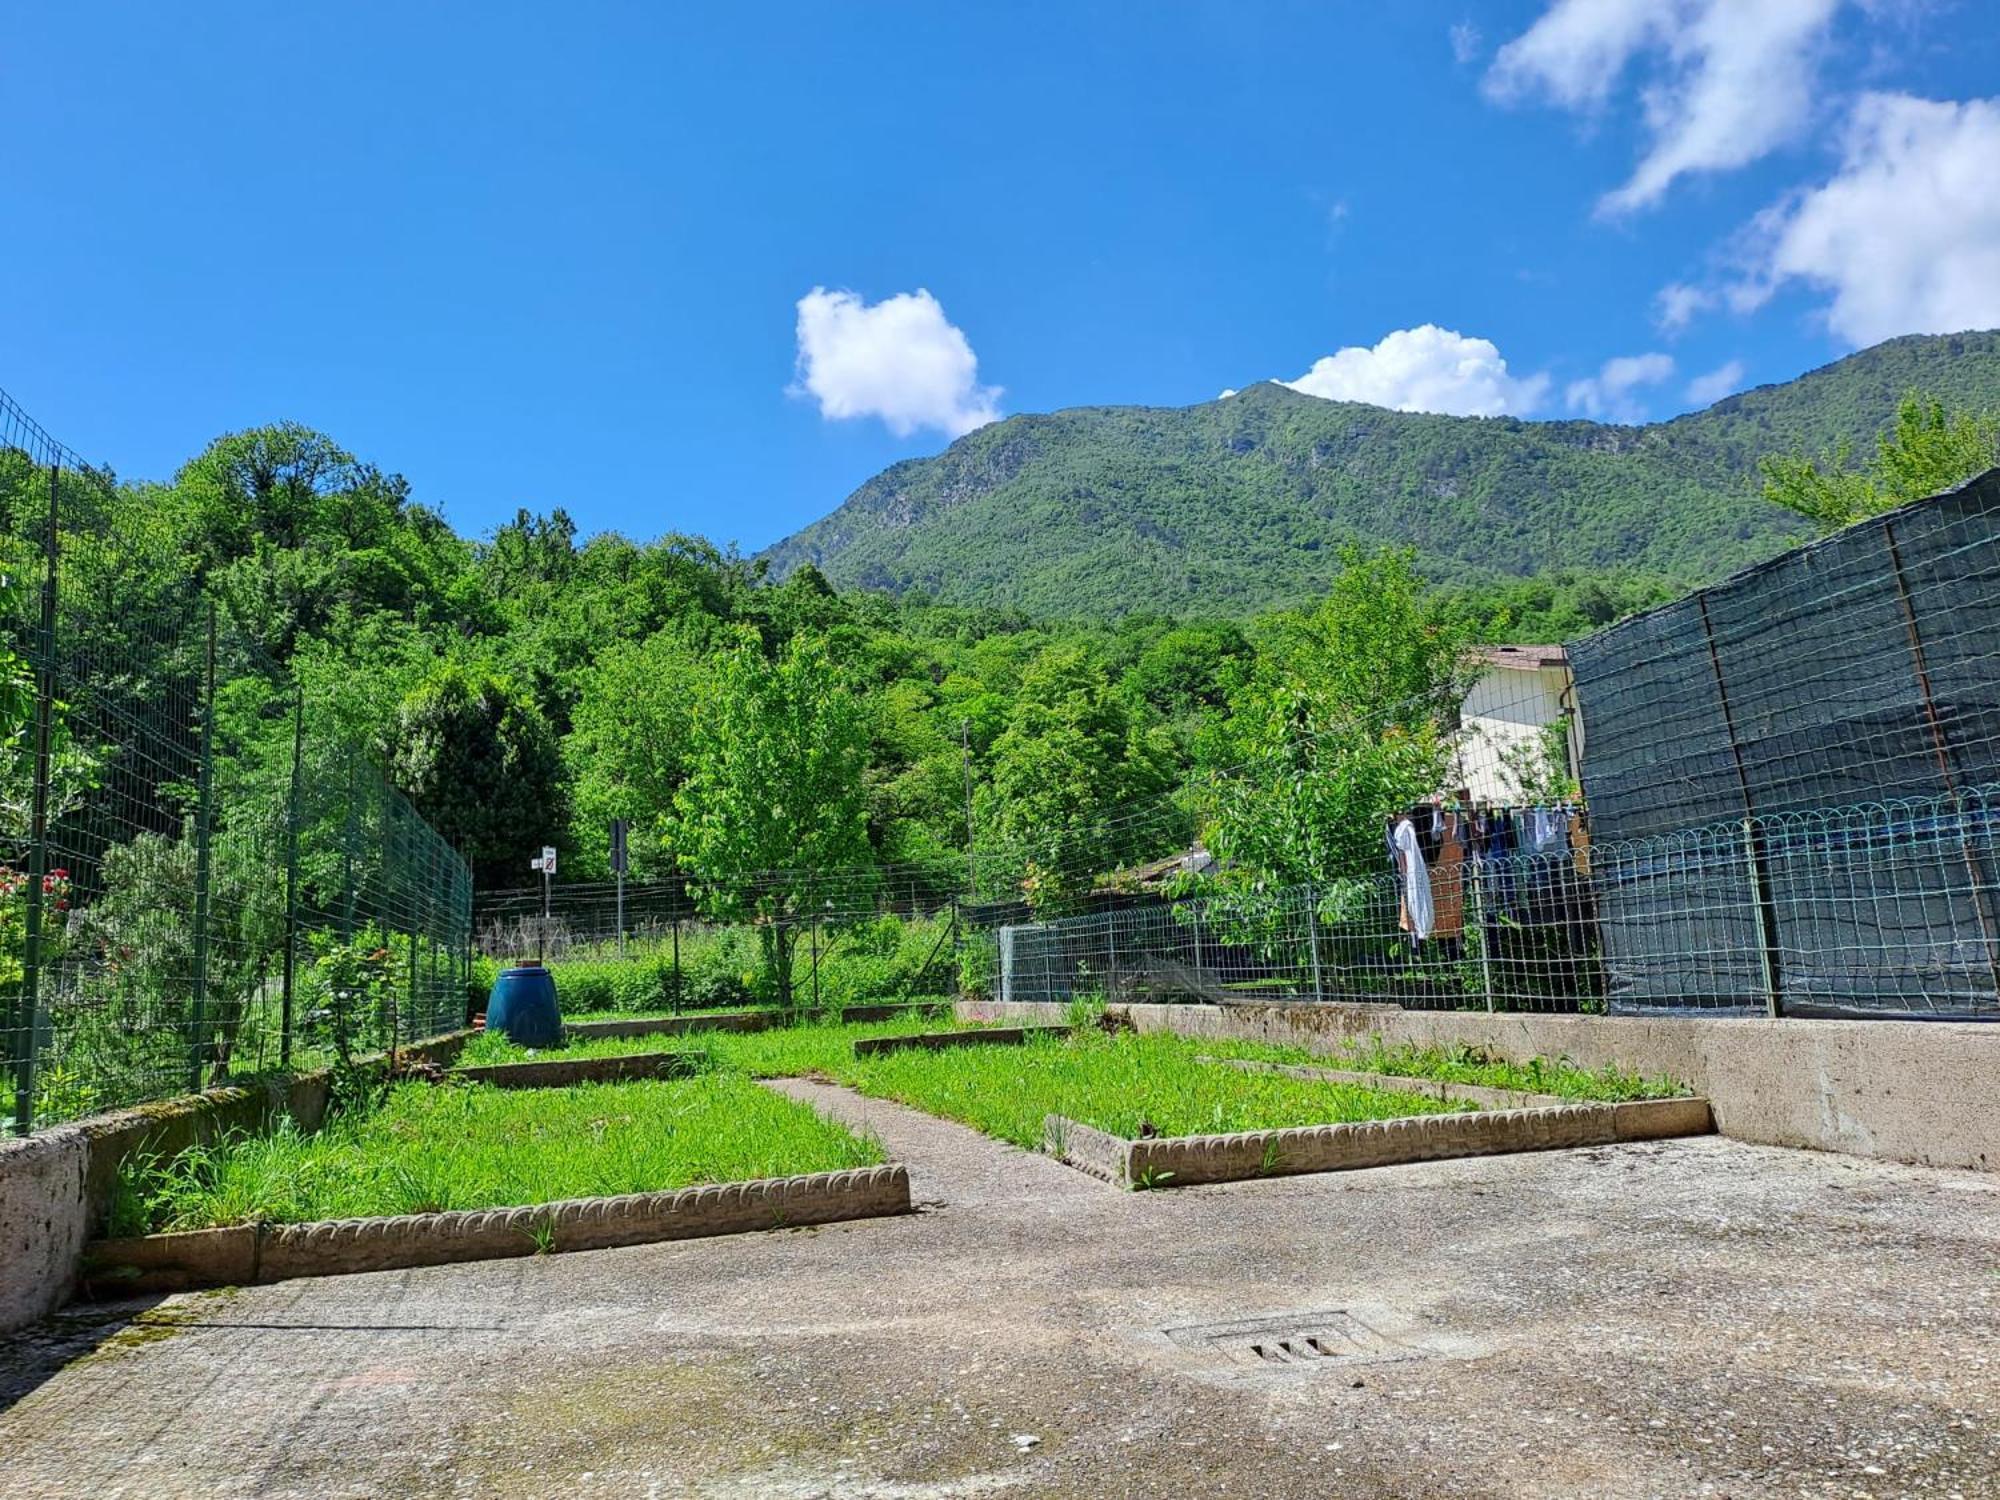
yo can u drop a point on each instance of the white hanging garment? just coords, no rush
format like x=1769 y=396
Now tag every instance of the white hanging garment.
x=1418 y=914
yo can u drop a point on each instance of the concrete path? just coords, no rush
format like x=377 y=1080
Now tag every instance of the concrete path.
x=950 y=1166
x=1681 y=1319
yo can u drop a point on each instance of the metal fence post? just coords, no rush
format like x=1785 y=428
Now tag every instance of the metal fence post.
x=1480 y=928
x=1312 y=938
x=1766 y=960
x=28 y=1006
x=292 y=882
x=347 y=836
x=203 y=865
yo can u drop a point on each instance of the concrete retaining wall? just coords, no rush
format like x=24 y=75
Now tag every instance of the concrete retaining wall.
x=55 y=1186
x=1912 y=1091
x=244 y=1254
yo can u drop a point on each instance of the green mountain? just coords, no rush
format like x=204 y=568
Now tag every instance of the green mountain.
x=1243 y=503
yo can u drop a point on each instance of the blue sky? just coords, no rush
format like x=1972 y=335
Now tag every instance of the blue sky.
x=539 y=255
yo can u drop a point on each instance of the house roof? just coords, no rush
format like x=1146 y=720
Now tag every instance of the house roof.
x=1522 y=658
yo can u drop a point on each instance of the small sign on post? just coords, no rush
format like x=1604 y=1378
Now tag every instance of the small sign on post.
x=546 y=863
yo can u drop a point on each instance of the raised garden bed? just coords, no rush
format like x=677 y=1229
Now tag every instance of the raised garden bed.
x=722 y=1020
x=243 y=1254
x=939 y=1041
x=1186 y=1161
x=1125 y=1084
x=1450 y=1093
x=554 y=1071
x=427 y=1149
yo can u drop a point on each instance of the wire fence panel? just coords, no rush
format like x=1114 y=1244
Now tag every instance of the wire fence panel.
x=1872 y=901
x=204 y=879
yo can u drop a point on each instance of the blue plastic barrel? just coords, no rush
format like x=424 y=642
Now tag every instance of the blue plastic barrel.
x=523 y=1007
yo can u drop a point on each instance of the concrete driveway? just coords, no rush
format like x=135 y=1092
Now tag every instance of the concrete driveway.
x=1680 y=1319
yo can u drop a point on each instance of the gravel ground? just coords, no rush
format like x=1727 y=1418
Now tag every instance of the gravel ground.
x=1696 y=1318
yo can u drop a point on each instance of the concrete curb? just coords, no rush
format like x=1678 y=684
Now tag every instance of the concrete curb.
x=563 y=1072
x=244 y=1254
x=938 y=1041
x=1189 y=1160
x=1430 y=1088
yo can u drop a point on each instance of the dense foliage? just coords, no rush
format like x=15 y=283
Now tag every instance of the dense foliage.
x=795 y=751
x=1243 y=503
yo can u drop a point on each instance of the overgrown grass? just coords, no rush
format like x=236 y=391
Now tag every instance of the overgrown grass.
x=811 y=1046
x=1123 y=1084
x=1467 y=1064
x=428 y=1148
x=817 y=1047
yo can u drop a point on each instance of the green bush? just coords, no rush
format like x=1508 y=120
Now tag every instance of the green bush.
x=886 y=958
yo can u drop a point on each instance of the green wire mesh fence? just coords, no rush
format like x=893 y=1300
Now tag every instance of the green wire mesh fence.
x=1869 y=910
x=204 y=876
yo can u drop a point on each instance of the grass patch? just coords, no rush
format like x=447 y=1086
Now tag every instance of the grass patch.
x=1468 y=1064
x=429 y=1148
x=822 y=1047
x=1121 y=1084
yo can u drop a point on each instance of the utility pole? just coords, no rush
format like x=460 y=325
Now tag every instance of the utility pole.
x=971 y=850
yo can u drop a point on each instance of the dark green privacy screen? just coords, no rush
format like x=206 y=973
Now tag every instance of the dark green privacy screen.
x=1799 y=767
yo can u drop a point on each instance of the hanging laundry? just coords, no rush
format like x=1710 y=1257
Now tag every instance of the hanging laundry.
x=1448 y=878
x=1417 y=914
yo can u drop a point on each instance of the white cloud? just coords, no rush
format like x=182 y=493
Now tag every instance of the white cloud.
x=1735 y=80
x=1227 y=394
x=1576 y=51
x=900 y=359
x=1905 y=237
x=1723 y=380
x=1424 y=369
x=1610 y=394
x=1675 y=305
x=1466 y=42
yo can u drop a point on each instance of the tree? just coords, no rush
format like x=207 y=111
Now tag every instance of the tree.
x=1346 y=716
x=773 y=798
x=480 y=765
x=627 y=749
x=1069 y=757
x=1929 y=449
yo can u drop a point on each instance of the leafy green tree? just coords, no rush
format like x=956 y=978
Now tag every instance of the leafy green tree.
x=1061 y=774
x=1345 y=717
x=627 y=750
x=480 y=765
x=773 y=795
x=1928 y=449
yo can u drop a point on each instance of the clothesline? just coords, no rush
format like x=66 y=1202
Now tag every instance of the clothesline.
x=1430 y=843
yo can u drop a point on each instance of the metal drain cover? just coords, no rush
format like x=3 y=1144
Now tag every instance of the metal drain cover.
x=1333 y=1336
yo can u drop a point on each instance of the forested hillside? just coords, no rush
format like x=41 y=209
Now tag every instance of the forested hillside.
x=529 y=687
x=1243 y=503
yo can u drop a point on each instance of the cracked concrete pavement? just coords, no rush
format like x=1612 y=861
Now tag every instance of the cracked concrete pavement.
x=1674 y=1319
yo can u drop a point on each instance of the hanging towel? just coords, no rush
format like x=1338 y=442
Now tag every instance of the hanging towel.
x=1417 y=915
x=1448 y=880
